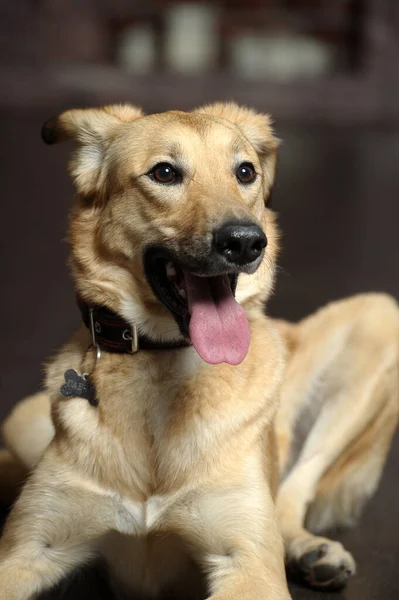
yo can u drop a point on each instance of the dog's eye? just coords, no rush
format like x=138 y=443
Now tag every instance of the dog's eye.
x=246 y=173
x=164 y=173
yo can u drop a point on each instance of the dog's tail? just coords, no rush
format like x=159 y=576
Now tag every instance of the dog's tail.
x=26 y=433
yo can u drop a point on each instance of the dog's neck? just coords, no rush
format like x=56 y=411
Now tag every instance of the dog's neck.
x=111 y=333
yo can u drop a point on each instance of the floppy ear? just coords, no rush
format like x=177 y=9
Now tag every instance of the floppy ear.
x=91 y=129
x=257 y=128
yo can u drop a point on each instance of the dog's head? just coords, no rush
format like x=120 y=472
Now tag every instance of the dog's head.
x=171 y=219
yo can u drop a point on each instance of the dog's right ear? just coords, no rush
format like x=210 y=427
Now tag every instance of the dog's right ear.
x=91 y=129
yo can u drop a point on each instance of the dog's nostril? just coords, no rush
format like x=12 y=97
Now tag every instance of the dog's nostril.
x=258 y=246
x=232 y=245
x=240 y=243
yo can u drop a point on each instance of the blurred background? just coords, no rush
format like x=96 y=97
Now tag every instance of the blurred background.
x=333 y=60
x=327 y=71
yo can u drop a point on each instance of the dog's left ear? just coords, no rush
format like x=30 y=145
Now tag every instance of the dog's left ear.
x=257 y=128
x=91 y=130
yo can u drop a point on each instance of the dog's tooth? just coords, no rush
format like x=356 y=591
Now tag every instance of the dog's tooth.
x=183 y=294
x=170 y=270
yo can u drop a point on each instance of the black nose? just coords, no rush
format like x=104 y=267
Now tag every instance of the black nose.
x=240 y=244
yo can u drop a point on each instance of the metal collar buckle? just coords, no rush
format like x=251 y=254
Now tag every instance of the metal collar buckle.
x=132 y=335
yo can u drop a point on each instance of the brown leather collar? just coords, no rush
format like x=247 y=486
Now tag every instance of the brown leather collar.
x=111 y=333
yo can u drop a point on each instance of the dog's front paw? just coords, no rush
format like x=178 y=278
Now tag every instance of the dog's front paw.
x=323 y=564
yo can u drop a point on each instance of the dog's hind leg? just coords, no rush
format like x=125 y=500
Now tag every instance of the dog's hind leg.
x=342 y=376
x=28 y=430
x=26 y=433
x=347 y=485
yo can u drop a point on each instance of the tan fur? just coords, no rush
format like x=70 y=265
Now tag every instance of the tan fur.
x=177 y=468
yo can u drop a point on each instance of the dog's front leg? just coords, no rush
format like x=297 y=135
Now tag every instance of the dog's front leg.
x=234 y=535
x=54 y=527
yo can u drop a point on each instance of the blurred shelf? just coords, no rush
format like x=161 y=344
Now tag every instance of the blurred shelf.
x=335 y=99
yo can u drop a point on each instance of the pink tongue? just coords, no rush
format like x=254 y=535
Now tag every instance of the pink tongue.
x=219 y=328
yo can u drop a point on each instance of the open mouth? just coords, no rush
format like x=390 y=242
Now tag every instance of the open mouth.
x=203 y=306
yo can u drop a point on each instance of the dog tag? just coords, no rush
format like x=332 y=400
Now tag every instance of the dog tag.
x=79 y=386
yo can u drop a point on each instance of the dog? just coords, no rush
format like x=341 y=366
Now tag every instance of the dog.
x=195 y=445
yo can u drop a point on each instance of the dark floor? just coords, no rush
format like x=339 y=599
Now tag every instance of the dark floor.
x=339 y=210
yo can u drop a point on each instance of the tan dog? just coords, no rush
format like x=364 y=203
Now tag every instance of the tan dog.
x=170 y=467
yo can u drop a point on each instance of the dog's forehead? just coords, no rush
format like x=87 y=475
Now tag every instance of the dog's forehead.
x=169 y=131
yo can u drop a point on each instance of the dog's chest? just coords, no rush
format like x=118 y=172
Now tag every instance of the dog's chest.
x=142 y=395
x=129 y=429
x=149 y=429
x=141 y=518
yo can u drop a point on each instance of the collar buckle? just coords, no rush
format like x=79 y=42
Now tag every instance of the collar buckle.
x=131 y=334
